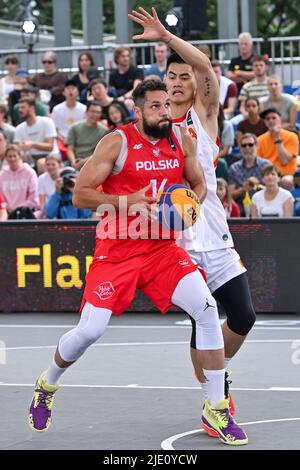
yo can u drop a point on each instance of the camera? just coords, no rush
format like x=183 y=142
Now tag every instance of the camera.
x=68 y=176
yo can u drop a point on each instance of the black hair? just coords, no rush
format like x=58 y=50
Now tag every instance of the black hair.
x=139 y=93
x=93 y=103
x=97 y=81
x=175 y=58
x=123 y=110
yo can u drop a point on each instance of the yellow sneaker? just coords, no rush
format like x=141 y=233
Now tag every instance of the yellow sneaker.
x=40 y=410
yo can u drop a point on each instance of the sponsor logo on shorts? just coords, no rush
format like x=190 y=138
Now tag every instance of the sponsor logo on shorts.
x=184 y=263
x=105 y=290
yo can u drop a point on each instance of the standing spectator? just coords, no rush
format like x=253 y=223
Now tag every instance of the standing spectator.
x=7 y=83
x=36 y=135
x=277 y=144
x=245 y=175
x=240 y=68
x=284 y=103
x=51 y=79
x=117 y=116
x=3 y=211
x=228 y=91
x=60 y=205
x=18 y=183
x=46 y=182
x=81 y=79
x=126 y=76
x=85 y=135
x=66 y=114
x=254 y=124
x=41 y=109
x=160 y=66
x=272 y=201
x=7 y=129
x=3 y=147
x=231 y=208
x=258 y=86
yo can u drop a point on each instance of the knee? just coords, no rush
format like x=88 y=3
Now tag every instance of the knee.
x=90 y=336
x=243 y=322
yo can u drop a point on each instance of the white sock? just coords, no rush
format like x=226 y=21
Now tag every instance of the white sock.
x=215 y=385
x=53 y=373
x=204 y=391
x=226 y=362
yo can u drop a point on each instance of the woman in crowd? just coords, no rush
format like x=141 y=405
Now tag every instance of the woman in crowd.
x=117 y=116
x=254 y=124
x=7 y=82
x=85 y=62
x=272 y=201
x=230 y=206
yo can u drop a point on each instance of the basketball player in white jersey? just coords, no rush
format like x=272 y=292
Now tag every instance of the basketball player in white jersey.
x=194 y=94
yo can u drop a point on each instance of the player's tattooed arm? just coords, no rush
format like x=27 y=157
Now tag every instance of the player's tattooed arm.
x=192 y=169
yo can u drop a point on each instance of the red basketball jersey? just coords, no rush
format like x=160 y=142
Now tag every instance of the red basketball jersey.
x=140 y=163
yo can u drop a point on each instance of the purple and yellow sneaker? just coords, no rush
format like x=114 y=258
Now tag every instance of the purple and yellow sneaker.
x=219 y=419
x=40 y=411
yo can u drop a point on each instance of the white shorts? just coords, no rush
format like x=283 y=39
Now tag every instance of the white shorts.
x=220 y=266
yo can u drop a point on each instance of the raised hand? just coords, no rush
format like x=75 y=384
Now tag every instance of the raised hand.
x=153 y=28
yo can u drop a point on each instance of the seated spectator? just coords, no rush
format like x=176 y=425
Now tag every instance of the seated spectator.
x=41 y=109
x=60 y=205
x=18 y=185
x=278 y=145
x=66 y=114
x=228 y=91
x=258 y=86
x=126 y=76
x=20 y=82
x=7 y=83
x=85 y=135
x=117 y=116
x=160 y=66
x=81 y=79
x=7 y=129
x=272 y=201
x=3 y=147
x=51 y=79
x=286 y=104
x=240 y=68
x=245 y=175
x=3 y=211
x=98 y=88
x=287 y=182
x=226 y=135
x=231 y=208
x=46 y=181
x=253 y=124
x=36 y=135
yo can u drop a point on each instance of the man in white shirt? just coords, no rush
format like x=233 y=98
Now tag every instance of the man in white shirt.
x=36 y=135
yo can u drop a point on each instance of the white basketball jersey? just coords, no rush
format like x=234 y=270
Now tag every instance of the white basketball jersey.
x=211 y=231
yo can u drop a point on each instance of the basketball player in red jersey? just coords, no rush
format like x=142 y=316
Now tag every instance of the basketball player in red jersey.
x=194 y=94
x=125 y=163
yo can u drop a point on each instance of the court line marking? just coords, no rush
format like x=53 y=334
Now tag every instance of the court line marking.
x=146 y=327
x=167 y=443
x=149 y=343
x=159 y=387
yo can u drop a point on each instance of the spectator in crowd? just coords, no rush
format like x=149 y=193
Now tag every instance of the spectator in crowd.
x=126 y=76
x=117 y=116
x=240 y=68
x=7 y=83
x=287 y=182
x=283 y=102
x=205 y=49
x=3 y=147
x=160 y=66
x=18 y=184
x=230 y=206
x=272 y=201
x=226 y=135
x=98 y=88
x=7 y=129
x=278 y=145
x=258 y=86
x=36 y=135
x=245 y=176
x=20 y=82
x=81 y=79
x=85 y=135
x=41 y=109
x=228 y=91
x=60 y=205
x=253 y=123
x=3 y=211
x=66 y=114
x=51 y=79
x=46 y=181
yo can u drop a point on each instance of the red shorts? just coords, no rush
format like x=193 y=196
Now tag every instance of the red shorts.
x=120 y=267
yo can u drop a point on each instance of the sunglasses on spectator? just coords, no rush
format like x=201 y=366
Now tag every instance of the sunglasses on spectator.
x=247 y=145
x=48 y=62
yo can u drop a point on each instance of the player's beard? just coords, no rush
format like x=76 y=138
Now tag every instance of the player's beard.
x=154 y=130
